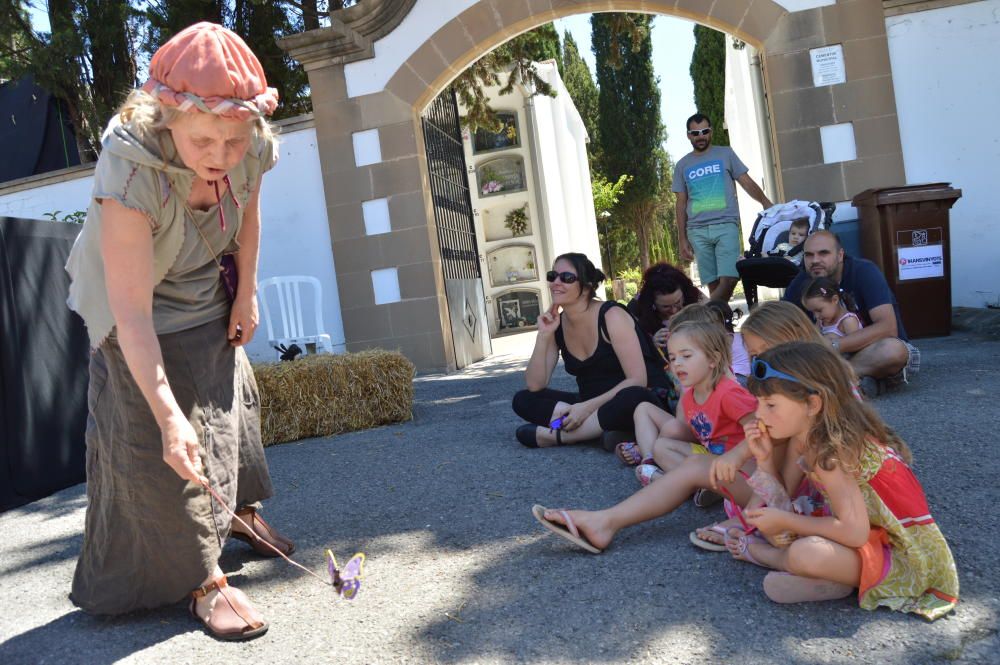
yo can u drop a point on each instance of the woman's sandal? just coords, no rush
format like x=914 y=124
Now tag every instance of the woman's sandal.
x=628 y=452
x=224 y=603
x=527 y=435
x=263 y=531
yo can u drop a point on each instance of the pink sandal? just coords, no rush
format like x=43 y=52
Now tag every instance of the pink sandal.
x=647 y=473
x=743 y=544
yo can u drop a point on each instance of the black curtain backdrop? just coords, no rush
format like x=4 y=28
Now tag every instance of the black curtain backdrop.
x=35 y=131
x=44 y=354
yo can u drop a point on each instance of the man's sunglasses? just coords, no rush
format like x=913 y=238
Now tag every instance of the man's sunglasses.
x=564 y=277
x=760 y=370
x=700 y=132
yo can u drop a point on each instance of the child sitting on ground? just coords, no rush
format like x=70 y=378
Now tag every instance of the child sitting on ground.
x=652 y=423
x=880 y=537
x=708 y=451
x=832 y=308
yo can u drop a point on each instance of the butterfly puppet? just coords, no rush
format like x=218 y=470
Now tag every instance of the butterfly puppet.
x=346 y=581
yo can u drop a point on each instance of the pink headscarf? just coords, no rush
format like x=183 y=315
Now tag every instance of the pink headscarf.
x=207 y=68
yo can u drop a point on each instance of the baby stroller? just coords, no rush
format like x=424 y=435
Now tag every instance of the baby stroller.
x=771 y=261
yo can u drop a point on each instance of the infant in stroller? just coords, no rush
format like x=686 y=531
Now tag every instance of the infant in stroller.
x=776 y=244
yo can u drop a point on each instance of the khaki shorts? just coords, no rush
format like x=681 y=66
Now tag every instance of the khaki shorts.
x=716 y=249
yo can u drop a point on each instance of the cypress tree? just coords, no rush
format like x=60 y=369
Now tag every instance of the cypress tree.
x=708 y=72
x=580 y=85
x=630 y=128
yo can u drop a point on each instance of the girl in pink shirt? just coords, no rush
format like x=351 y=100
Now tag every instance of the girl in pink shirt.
x=716 y=409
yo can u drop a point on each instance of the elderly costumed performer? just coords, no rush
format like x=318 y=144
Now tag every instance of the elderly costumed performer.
x=164 y=275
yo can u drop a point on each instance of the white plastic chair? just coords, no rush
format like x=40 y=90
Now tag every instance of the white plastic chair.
x=289 y=290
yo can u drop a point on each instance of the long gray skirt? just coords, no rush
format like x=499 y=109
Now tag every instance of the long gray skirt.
x=151 y=537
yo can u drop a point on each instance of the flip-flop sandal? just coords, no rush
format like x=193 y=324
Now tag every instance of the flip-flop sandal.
x=568 y=532
x=708 y=545
x=743 y=543
x=628 y=452
x=784 y=587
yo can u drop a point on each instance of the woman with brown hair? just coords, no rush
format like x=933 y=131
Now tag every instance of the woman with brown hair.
x=601 y=345
x=664 y=291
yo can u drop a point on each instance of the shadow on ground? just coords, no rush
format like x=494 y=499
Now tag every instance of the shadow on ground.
x=458 y=571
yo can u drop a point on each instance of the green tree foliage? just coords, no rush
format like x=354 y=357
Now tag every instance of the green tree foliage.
x=708 y=72
x=580 y=85
x=258 y=22
x=87 y=59
x=512 y=63
x=630 y=129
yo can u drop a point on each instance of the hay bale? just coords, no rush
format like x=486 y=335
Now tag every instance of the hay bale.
x=325 y=394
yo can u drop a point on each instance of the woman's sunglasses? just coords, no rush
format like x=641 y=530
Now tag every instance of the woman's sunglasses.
x=760 y=370
x=564 y=277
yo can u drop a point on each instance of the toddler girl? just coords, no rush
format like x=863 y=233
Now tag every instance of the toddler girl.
x=708 y=454
x=880 y=537
x=832 y=308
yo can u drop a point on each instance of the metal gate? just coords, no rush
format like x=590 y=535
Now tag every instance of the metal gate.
x=456 y=230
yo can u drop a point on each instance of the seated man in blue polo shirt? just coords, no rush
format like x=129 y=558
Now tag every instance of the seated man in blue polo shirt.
x=880 y=352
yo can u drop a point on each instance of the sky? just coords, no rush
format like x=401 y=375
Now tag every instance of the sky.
x=673 y=42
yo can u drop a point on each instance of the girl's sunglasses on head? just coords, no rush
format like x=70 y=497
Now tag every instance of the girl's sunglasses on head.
x=761 y=371
x=564 y=277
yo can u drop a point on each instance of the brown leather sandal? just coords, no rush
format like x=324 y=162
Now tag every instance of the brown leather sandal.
x=263 y=531
x=250 y=630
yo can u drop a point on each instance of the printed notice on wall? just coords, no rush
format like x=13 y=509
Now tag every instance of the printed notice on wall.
x=920 y=262
x=828 y=65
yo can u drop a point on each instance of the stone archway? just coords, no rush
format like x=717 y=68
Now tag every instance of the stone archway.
x=381 y=62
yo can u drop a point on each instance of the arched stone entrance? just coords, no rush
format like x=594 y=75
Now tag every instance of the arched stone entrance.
x=381 y=62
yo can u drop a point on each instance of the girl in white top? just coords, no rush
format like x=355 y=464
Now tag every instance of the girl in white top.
x=832 y=307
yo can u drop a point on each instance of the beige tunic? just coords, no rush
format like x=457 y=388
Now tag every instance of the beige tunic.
x=142 y=172
x=151 y=537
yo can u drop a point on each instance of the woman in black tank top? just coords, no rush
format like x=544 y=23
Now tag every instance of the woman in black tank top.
x=601 y=345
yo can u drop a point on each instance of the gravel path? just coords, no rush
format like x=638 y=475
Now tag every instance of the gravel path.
x=459 y=572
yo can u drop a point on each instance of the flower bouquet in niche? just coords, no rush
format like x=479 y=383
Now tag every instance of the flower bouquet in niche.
x=491 y=183
x=516 y=221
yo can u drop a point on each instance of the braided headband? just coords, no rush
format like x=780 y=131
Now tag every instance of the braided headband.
x=226 y=107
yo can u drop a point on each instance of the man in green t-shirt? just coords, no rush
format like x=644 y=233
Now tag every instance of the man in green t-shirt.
x=708 y=217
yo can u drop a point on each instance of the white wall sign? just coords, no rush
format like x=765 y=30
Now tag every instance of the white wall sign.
x=828 y=65
x=920 y=262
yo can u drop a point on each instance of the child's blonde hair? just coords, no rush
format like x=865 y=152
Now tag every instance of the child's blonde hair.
x=712 y=339
x=845 y=425
x=147 y=113
x=778 y=321
x=696 y=313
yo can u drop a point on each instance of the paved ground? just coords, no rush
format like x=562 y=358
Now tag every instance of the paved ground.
x=459 y=572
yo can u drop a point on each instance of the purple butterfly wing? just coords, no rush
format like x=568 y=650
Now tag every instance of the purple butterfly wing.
x=352 y=574
x=355 y=568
